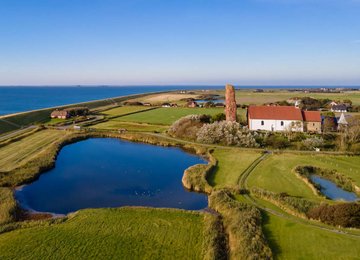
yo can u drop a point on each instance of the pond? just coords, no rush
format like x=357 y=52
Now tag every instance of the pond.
x=330 y=190
x=202 y=101
x=107 y=172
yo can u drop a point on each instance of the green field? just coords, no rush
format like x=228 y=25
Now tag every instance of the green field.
x=119 y=111
x=124 y=233
x=17 y=153
x=287 y=238
x=167 y=116
x=276 y=172
x=231 y=164
x=291 y=240
x=130 y=126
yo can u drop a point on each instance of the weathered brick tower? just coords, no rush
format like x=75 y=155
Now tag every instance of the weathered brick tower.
x=230 y=109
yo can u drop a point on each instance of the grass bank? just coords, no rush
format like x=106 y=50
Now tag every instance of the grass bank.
x=243 y=225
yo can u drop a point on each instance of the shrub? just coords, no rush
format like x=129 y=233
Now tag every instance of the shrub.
x=345 y=214
x=312 y=143
x=277 y=141
x=227 y=133
x=188 y=126
x=286 y=202
x=218 y=117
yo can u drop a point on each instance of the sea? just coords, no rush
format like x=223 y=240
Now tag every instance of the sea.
x=15 y=99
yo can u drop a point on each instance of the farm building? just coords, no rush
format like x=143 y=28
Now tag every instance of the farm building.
x=283 y=118
x=312 y=121
x=62 y=114
x=69 y=112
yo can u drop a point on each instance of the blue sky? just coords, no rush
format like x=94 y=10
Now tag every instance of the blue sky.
x=131 y=42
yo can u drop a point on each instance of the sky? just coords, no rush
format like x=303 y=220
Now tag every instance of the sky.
x=179 y=42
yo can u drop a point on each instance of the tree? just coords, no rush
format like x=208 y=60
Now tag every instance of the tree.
x=350 y=135
x=292 y=128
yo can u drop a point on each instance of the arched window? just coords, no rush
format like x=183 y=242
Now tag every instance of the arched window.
x=282 y=123
x=262 y=122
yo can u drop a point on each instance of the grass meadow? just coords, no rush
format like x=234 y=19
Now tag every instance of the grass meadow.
x=130 y=126
x=123 y=233
x=142 y=119
x=119 y=111
x=231 y=164
x=167 y=116
x=19 y=152
x=291 y=240
x=276 y=172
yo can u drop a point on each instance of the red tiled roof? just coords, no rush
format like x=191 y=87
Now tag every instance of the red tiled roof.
x=312 y=116
x=275 y=112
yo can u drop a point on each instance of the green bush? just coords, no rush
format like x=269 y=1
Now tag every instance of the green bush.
x=345 y=214
x=218 y=117
x=288 y=203
x=277 y=141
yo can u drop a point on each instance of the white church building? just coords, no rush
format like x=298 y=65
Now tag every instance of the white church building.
x=275 y=118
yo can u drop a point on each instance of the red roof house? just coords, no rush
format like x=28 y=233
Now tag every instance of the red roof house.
x=275 y=118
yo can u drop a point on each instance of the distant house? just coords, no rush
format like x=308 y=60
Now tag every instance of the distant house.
x=62 y=114
x=147 y=104
x=312 y=121
x=166 y=105
x=341 y=108
x=192 y=104
x=333 y=103
x=69 y=112
x=275 y=118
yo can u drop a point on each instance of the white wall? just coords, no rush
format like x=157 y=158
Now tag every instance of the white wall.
x=273 y=125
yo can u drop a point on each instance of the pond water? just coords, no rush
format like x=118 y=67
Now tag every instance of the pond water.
x=202 y=101
x=107 y=172
x=330 y=190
